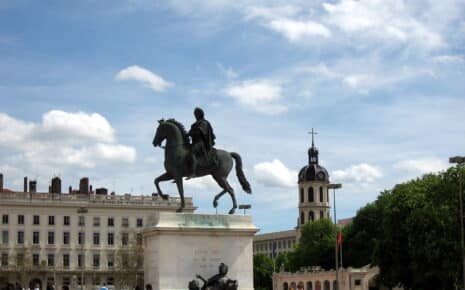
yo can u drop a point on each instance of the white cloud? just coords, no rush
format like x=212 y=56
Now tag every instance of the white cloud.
x=202 y=183
x=228 y=72
x=76 y=139
x=360 y=173
x=77 y=125
x=383 y=20
x=148 y=78
x=421 y=166
x=13 y=132
x=275 y=174
x=358 y=80
x=91 y=156
x=260 y=95
x=271 y=12
x=445 y=59
x=282 y=19
x=297 y=30
x=365 y=74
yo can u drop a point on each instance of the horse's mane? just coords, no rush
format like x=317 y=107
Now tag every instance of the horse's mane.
x=181 y=128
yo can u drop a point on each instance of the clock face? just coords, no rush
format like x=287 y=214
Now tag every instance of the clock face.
x=321 y=176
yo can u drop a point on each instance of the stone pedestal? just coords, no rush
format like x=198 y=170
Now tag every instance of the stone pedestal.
x=177 y=246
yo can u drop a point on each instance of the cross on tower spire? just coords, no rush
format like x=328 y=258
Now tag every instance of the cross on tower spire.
x=313 y=134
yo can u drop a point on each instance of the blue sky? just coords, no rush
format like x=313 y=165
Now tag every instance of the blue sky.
x=82 y=84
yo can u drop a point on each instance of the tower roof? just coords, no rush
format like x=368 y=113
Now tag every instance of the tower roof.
x=313 y=171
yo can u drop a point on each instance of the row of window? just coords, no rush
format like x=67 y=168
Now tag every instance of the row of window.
x=310 y=195
x=282 y=244
x=311 y=216
x=67 y=238
x=95 y=279
x=67 y=221
x=318 y=285
x=50 y=260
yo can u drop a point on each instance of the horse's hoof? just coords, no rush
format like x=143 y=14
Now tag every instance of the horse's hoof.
x=179 y=209
x=215 y=203
x=232 y=211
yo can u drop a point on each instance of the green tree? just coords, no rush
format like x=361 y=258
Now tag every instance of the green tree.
x=282 y=260
x=315 y=247
x=420 y=247
x=262 y=271
x=360 y=237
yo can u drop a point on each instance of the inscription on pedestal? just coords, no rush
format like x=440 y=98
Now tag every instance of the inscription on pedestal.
x=206 y=260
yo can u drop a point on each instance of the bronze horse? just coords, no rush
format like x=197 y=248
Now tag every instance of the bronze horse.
x=177 y=150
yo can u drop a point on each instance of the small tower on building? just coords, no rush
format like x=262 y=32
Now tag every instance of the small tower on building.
x=313 y=189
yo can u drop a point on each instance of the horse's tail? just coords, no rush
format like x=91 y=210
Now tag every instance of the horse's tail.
x=240 y=174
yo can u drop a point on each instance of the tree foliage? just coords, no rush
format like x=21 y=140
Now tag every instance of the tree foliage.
x=262 y=271
x=420 y=245
x=360 y=237
x=412 y=233
x=315 y=247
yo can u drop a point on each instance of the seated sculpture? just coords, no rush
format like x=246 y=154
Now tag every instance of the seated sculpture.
x=217 y=282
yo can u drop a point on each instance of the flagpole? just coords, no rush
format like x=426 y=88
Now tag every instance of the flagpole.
x=334 y=187
x=340 y=251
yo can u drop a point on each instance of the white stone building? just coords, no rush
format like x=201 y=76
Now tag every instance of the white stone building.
x=55 y=239
x=316 y=279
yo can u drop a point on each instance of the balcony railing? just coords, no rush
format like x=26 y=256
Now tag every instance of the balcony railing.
x=127 y=199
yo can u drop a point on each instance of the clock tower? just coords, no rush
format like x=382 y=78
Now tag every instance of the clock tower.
x=313 y=189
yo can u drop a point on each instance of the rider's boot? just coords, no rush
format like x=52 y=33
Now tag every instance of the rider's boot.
x=193 y=168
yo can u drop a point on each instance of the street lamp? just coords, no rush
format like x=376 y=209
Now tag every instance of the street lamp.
x=81 y=211
x=460 y=160
x=335 y=186
x=245 y=207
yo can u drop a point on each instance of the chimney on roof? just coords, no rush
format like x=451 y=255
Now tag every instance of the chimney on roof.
x=101 y=191
x=70 y=189
x=1 y=182
x=25 y=183
x=84 y=185
x=33 y=186
x=56 y=185
x=90 y=190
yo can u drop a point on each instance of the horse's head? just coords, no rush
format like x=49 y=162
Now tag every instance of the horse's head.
x=171 y=130
x=160 y=134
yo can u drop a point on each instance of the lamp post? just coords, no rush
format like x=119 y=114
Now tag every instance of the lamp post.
x=335 y=186
x=460 y=160
x=81 y=211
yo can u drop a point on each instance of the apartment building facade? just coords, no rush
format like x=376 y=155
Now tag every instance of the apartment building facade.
x=58 y=240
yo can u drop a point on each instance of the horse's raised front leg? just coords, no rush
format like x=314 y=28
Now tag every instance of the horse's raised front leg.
x=164 y=177
x=215 y=200
x=181 y=193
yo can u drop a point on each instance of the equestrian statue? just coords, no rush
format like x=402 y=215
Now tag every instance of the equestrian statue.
x=197 y=158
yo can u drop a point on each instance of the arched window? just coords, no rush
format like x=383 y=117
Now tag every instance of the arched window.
x=334 y=284
x=327 y=285
x=309 y=285
x=300 y=286
x=317 y=285
x=327 y=195
x=302 y=218
x=311 y=216
x=285 y=286
x=321 y=194
x=322 y=215
x=301 y=195
x=310 y=194
x=293 y=286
